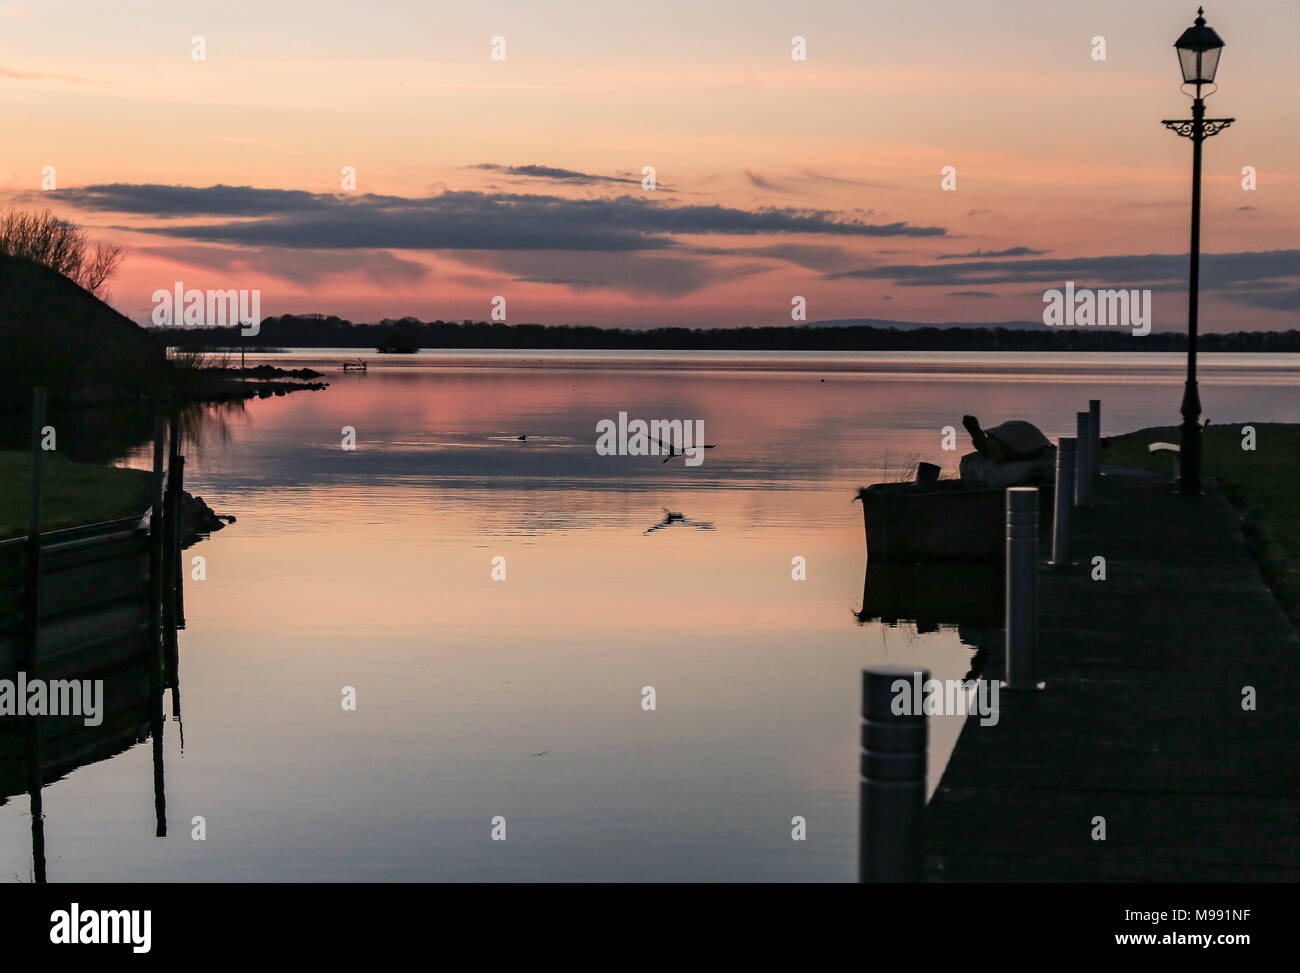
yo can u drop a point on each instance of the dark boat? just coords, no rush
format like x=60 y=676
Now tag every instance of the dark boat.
x=964 y=519
x=914 y=522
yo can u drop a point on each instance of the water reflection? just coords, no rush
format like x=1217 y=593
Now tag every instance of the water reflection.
x=111 y=604
x=109 y=433
x=966 y=597
x=373 y=569
x=672 y=517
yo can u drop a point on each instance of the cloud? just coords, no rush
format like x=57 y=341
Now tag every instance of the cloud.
x=822 y=257
x=571 y=176
x=1272 y=299
x=971 y=294
x=760 y=181
x=1131 y=270
x=151 y=199
x=659 y=275
x=297 y=266
x=844 y=181
x=1245 y=277
x=806 y=182
x=1009 y=252
x=575 y=282
x=457 y=220
x=36 y=76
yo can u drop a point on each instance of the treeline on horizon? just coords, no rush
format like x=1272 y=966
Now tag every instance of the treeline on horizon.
x=328 y=331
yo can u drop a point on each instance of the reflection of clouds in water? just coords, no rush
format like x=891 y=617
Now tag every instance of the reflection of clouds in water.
x=447 y=439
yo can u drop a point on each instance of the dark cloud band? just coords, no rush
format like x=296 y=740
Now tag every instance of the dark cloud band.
x=458 y=220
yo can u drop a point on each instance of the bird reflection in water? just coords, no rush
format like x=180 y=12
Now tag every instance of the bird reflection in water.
x=673 y=517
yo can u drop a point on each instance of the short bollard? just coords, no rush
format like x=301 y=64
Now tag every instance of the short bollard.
x=1022 y=588
x=892 y=791
x=1094 y=444
x=1082 y=463
x=1063 y=503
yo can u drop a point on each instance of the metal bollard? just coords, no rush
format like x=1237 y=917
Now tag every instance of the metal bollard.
x=1094 y=444
x=891 y=799
x=1082 y=479
x=1021 y=587
x=1063 y=502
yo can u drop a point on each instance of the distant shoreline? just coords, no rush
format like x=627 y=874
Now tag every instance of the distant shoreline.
x=882 y=363
x=320 y=331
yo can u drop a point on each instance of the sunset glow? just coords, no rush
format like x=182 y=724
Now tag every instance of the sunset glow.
x=1058 y=157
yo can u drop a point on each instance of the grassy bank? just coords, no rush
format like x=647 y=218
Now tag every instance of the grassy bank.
x=1261 y=482
x=74 y=493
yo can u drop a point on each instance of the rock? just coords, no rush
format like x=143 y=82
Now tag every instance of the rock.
x=197 y=520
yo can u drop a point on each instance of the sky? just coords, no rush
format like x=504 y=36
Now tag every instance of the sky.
x=776 y=178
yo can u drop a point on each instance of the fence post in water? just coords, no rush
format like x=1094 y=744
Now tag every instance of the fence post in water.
x=32 y=623
x=1022 y=588
x=171 y=524
x=156 y=528
x=891 y=800
x=1094 y=424
x=1082 y=462
x=32 y=588
x=159 y=566
x=1063 y=502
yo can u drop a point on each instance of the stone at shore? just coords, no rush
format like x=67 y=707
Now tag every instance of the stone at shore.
x=198 y=520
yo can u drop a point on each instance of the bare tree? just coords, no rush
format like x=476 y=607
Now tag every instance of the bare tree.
x=99 y=267
x=61 y=246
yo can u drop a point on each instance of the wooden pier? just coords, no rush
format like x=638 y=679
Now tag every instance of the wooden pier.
x=99 y=603
x=1142 y=723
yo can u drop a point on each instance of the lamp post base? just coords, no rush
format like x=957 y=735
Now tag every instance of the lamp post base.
x=1189 y=447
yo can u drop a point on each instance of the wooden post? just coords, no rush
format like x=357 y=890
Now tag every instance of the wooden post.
x=32 y=618
x=891 y=799
x=1094 y=425
x=32 y=588
x=174 y=615
x=156 y=528
x=158 y=570
x=35 y=801
x=171 y=534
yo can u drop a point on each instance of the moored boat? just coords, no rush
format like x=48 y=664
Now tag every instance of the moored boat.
x=940 y=521
x=962 y=519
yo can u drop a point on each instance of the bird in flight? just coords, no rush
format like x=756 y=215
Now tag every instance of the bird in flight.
x=674 y=452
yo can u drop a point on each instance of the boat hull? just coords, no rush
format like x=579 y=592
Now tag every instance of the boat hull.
x=946 y=523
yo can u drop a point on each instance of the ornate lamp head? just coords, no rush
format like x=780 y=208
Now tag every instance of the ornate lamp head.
x=1198 y=52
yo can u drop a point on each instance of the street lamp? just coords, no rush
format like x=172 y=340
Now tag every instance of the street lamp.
x=1198 y=57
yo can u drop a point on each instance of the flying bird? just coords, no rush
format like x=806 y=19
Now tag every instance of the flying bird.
x=674 y=452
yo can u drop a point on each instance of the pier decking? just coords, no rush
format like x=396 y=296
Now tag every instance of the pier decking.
x=1142 y=721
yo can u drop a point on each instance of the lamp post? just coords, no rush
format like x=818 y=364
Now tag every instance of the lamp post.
x=1198 y=56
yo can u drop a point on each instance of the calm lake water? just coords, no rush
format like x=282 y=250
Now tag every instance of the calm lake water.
x=522 y=697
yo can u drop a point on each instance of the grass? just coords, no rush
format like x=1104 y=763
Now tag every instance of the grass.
x=1263 y=483
x=74 y=493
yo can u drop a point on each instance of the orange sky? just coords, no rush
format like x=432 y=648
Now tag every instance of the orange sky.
x=1058 y=155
